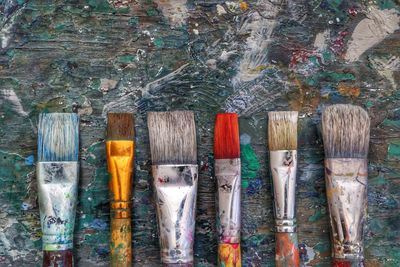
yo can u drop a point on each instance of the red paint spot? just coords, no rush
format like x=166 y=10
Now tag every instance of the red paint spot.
x=352 y=11
x=340 y=263
x=301 y=56
x=338 y=45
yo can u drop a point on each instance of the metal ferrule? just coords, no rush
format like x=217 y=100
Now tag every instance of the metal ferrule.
x=346 y=190
x=57 y=191
x=175 y=193
x=120 y=155
x=283 y=167
x=227 y=172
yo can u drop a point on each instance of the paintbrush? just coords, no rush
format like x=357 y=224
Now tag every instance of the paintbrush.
x=345 y=131
x=120 y=156
x=227 y=172
x=282 y=141
x=57 y=177
x=175 y=178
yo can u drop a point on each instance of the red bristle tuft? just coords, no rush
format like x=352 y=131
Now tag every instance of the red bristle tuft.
x=226 y=136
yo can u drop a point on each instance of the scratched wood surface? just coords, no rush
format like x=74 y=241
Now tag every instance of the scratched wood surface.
x=248 y=57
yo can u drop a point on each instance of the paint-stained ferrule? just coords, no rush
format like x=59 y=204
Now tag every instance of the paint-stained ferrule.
x=346 y=190
x=227 y=172
x=283 y=167
x=176 y=193
x=120 y=155
x=57 y=193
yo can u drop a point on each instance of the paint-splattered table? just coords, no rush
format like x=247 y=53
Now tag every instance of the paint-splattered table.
x=249 y=57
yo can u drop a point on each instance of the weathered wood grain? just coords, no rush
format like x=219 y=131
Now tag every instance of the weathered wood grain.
x=250 y=57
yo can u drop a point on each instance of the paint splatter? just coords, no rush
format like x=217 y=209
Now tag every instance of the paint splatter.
x=371 y=31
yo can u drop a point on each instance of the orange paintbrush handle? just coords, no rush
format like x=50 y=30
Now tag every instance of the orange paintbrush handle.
x=120 y=160
x=229 y=255
x=287 y=250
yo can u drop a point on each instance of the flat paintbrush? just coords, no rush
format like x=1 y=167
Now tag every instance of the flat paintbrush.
x=282 y=142
x=227 y=172
x=175 y=178
x=120 y=156
x=345 y=131
x=57 y=176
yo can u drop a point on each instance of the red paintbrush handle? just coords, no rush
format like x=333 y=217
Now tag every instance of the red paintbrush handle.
x=188 y=264
x=287 y=250
x=60 y=258
x=347 y=263
x=229 y=255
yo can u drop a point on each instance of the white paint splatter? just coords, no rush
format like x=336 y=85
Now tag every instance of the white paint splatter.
x=5 y=35
x=86 y=108
x=321 y=40
x=126 y=103
x=220 y=10
x=176 y=11
x=310 y=254
x=260 y=23
x=386 y=68
x=10 y=96
x=163 y=80
x=8 y=22
x=226 y=54
x=372 y=30
x=107 y=85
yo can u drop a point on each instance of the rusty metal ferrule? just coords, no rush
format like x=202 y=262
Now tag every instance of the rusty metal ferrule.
x=175 y=194
x=120 y=154
x=227 y=172
x=57 y=193
x=283 y=167
x=346 y=190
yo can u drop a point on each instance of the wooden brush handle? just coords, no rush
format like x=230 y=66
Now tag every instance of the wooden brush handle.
x=121 y=242
x=229 y=255
x=58 y=258
x=287 y=250
x=347 y=263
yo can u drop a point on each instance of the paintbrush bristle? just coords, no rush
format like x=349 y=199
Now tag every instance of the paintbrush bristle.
x=172 y=137
x=345 y=131
x=282 y=130
x=120 y=126
x=226 y=136
x=58 y=137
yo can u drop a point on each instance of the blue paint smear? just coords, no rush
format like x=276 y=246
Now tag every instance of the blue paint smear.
x=98 y=224
x=30 y=160
x=255 y=185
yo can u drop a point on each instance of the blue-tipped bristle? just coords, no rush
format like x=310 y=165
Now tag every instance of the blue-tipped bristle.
x=58 y=137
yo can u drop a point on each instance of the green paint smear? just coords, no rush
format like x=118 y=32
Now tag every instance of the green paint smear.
x=322 y=247
x=126 y=59
x=386 y=4
x=152 y=12
x=391 y=123
x=330 y=77
x=317 y=215
x=13 y=173
x=394 y=151
x=250 y=164
x=95 y=83
x=134 y=21
x=100 y=6
x=159 y=42
x=377 y=181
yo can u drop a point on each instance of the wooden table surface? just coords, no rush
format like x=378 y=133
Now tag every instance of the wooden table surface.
x=249 y=57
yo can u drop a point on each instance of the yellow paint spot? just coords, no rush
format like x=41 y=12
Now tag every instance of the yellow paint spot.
x=244 y=6
x=348 y=90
